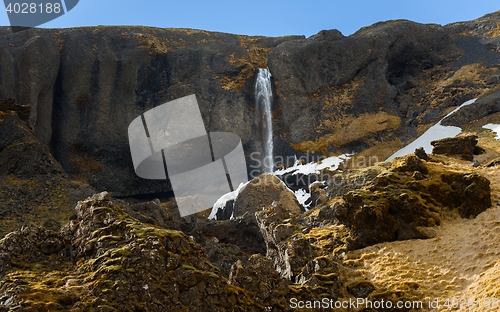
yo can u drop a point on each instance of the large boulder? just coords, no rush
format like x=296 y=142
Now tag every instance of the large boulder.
x=263 y=192
x=259 y=193
x=461 y=147
x=402 y=202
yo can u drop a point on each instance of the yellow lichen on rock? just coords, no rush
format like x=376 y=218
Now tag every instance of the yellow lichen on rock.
x=349 y=129
x=152 y=43
x=460 y=261
x=258 y=54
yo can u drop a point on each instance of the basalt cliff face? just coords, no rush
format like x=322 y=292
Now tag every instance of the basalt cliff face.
x=84 y=86
x=81 y=232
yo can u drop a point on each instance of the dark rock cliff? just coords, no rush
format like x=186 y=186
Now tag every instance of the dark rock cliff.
x=333 y=93
x=329 y=75
x=86 y=85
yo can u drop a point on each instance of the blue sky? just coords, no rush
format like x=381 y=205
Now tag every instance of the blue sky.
x=269 y=18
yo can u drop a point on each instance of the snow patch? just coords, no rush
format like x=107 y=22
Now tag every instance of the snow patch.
x=331 y=163
x=495 y=128
x=435 y=132
x=303 y=197
x=222 y=201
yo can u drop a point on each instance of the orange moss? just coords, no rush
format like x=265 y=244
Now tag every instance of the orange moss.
x=341 y=96
x=258 y=55
x=85 y=164
x=238 y=83
x=152 y=43
x=493 y=33
x=350 y=129
x=258 y=59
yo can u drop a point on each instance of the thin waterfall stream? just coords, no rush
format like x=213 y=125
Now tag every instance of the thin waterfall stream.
x=263 y=113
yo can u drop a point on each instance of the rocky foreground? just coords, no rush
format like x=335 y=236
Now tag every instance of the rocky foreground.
x=415 y=230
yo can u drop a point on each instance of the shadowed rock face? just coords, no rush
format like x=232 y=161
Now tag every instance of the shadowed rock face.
x=482 y=107
x=330 y=75
x=86 y=85
x=332 y=93
x=33 y=185
x=21 y=153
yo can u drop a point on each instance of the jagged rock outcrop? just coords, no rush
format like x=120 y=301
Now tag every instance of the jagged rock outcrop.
x=482 y=107
x=276 y=226
x=33 y=185
x=401 y=200
x=462 y=147
x=400 y=203
x=106 y=260
x=259 y=276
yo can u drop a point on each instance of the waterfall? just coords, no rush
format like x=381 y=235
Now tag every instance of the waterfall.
x=263 y=116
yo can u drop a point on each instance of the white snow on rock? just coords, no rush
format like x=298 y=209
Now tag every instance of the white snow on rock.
x=331 y=163
x=495 y=128
x=314 y=167
x=221 y=202
x=435 y=132
x=302 y=197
